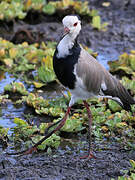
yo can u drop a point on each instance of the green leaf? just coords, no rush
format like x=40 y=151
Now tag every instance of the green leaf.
x=8 y=62
x=128 y=83
x=132 y=61
x=127 y=70
x=49 y=9
x=73 y=125
x=96 y=22
x=3 y=131
x=43 y=127
x=20 y=122
x=121 y=178
x=16 y=87
x=133 y=176
x=94 y=12
x=38 y=84
x=45 y=74
x=132 y=162
x=53 y=141
x=114 y=106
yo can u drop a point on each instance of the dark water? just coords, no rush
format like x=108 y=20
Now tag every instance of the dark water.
x=8 y=111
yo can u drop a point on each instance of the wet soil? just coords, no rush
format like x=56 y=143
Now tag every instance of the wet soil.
x=64 y=163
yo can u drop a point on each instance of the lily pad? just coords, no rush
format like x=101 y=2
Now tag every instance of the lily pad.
x=49 y=9
x=73 y=124
x=125 y=63
x=132 y=61
x=96 y=22
x=16 y=87
x=114 y=106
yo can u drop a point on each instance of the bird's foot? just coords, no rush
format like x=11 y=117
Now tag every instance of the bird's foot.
x=29 y=151
x=90 y=155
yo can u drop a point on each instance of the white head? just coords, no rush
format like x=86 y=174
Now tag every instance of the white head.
x=72 y=25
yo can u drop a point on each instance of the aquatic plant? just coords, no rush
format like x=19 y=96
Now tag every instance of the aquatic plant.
x=125 y=64
x=125 y=68
x=16 y=87
x=23 y=58
x=4 y=136
x=26 y=134
x=12 y=9
x=109 y=120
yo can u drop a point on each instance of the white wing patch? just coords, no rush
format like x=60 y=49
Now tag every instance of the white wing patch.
x=103 y=86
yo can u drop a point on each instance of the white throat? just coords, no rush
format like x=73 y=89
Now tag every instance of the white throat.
x=64 y=46
x=73 y=25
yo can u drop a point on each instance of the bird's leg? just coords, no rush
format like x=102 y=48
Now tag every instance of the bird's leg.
x=61 y=124
x=47 y=135
x=89 y=155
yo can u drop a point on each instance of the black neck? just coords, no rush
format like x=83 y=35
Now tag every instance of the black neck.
x=64 y=66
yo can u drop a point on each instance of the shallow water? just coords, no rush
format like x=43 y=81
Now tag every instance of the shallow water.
x=103 y=58
x=9 y=111
x=7 y=79
x=7 y=114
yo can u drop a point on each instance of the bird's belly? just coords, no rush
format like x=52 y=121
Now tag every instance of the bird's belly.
x=80 y=94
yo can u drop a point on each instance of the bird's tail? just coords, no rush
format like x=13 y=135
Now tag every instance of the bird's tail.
x=124 y=96
x=118 y=93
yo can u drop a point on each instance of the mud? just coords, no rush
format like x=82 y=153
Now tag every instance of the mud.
x=64 y=163
x=67 y=165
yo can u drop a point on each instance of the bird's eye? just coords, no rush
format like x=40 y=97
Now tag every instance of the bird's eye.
x=75 y=24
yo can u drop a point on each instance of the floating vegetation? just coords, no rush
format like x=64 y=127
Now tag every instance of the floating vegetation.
x=45 y=71
x=32 y=65
x=125 y=67
x=26 y=134
x=96 y=23
x=12 y=9
x=4 y=136
x=125 y=64
x=23 y=58
x=19 y=8
x=3 y=98
x=16 y=87
x=106 y=123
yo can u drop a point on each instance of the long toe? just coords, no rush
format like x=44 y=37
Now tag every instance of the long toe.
x=29 y=151
x=90 y=155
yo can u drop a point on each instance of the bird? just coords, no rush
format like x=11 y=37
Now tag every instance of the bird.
x=82 y=75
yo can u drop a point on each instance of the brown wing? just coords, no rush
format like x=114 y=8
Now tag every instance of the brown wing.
x=92 y=73
x=95 y=76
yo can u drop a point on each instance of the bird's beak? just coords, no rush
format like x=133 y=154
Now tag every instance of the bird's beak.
x=66 y=30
